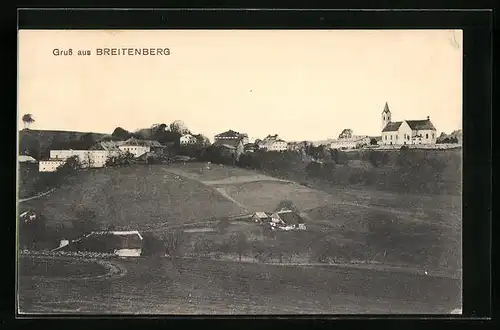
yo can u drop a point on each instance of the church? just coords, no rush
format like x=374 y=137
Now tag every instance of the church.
x=406 y=131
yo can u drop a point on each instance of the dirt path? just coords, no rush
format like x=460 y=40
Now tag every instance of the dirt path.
x=36 y=196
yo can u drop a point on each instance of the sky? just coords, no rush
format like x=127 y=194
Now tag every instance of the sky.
x=300 y=84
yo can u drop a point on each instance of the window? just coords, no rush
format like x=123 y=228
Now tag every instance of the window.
x=427 y=135
x=433 y=135
x=385 y=136
x=408 y=137
x=391 y=136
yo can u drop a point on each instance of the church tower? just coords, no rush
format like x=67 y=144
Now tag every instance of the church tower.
x=386 y=116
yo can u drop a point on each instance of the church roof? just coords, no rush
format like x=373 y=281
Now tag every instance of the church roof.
x=386 y=108
x=392 y=126
x=420 y=124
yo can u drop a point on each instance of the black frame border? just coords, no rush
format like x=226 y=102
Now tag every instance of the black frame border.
x=477 y=28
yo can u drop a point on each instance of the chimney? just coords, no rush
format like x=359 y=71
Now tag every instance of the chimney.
x=428 y=117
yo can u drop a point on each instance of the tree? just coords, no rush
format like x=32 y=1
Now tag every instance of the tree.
x=28 y=120
x=346 y=133
x=173 y=241
x=120 y=159
x=178 y=126
x=239 y=243
x=121 y=133
x=373 y=142
x=151 y=245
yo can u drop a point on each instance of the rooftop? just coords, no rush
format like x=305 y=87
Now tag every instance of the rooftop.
x=230 y=133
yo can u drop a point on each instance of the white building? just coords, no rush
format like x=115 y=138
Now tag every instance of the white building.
x=140 y=147
x=188 y=139
x=50 y=165
x=273 y=143
x=26 y=159
x=87 y=158
x=353 y=142
x=229 y=135
x=406 y=131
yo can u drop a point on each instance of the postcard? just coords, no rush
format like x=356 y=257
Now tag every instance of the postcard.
x=223 y=172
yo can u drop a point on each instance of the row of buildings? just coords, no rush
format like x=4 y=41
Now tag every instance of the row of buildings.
x=97 y=156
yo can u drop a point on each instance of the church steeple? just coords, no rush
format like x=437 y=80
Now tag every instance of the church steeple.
x=386 y=116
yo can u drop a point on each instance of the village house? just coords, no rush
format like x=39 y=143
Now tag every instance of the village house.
x=50 y=165
x=289 y=219
x=273 y=143
x=250 y=147
x=231 y=135
x=261 y=217
x=353 y=142
x=284 y=219
x=87 y=158
x=406 y=131
x=188 y=139
x=234 y=146
x=139 y=147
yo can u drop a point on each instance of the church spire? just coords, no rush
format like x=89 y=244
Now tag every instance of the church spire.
x=386 y=116
x=386 y=108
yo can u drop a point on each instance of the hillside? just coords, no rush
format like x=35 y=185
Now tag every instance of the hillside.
x=37 y=142
x=137 y=197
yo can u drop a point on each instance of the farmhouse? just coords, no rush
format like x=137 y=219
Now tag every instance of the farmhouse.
x=261 y=217
x=234 y=146
x=188 y=139
x=273 y=143
x=289 y=219
x=353 y=142
x=250 y=147
x=138 y=147
x=406 y=131
x=88 y=158
x=231 y=135
x=50 y=165
x=120 y=243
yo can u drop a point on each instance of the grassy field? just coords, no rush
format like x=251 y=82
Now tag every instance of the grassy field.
x=415 y=230
x=137 y=197
x=162 y=286
x=421 y=231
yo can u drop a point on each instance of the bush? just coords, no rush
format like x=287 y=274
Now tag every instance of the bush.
x=151 y=245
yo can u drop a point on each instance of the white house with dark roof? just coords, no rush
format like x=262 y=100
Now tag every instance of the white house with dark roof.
x=188 y=139
x=273 y=143
x=139 y=147
x=231 y=135
x=406 y=131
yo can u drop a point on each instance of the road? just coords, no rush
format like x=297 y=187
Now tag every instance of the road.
x=163 y=286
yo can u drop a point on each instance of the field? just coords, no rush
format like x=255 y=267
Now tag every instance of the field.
x=419 y=231
x=137 y=197
x=163 y=286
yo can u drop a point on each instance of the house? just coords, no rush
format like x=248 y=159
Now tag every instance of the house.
x=26 y=159
x=188 y=139
x=273 y=143
x=250 y=147
x=27 y=216
x=50 y=165
x=288 y=220
x=406 y=131
x=351 y=142
x=234 y=146
x=120 y=243
x=88 y=158
x=231 y=135
x=261 y=217
x=138 y=147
